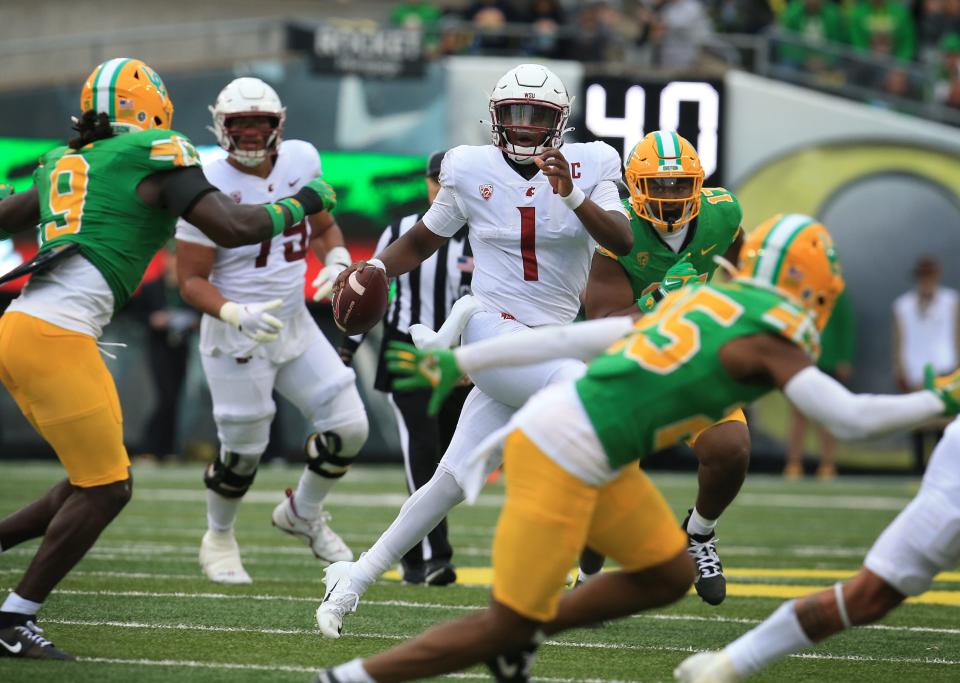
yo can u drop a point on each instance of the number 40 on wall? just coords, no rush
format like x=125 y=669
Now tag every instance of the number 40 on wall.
x=632 y=125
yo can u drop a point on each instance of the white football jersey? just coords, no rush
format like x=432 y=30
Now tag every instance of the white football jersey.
x=275 y=268
x=531 y=253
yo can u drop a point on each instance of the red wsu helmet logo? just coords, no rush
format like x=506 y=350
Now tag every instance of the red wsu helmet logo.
x=486 y=191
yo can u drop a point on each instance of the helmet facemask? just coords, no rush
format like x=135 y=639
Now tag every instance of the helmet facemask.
x=669 y=202
x=250 y=136
x=523 y=128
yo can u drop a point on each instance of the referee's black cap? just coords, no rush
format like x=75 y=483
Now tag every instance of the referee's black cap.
x=433 y=163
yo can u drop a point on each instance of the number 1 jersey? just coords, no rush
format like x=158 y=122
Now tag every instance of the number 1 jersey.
x=531 y=253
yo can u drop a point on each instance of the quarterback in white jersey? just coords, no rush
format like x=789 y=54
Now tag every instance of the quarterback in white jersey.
x=535 y=216
x=257 y=335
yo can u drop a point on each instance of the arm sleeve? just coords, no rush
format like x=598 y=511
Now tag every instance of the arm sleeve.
x=580 y=340
x=446 y=216
x=181 y=189
x=857 y=416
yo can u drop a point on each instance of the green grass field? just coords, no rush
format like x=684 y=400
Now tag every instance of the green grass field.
x=138 y=609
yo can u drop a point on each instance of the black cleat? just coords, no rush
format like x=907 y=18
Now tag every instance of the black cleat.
x=24 y=640
x=710 y=583
x=413 y=573
x=439 y=573
x=515 y=666
x=325 y=676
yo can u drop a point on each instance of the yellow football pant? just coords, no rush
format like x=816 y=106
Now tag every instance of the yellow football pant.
x=62 y=386
x=550 y=515
x=735 y=415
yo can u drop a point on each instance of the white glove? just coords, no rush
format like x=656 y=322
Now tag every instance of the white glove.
x=338 y=260
x=253 y=319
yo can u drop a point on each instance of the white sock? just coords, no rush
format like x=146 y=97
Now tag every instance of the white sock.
x=14 y=603
x=698 y=525
x=310 y=493
x=777 y=637
x=221 y=512
x=419 y=515
x=352 y=672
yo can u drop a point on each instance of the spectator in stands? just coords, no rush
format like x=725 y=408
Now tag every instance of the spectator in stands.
x=884 y=28
x=925 y=321
x=546 y=19
x=836 y=359
x=422 y=16
x=947 y=89
x=813 y=22
x=678 y=29
x=933 y=26
x=741 y=16
x=490 y=19
x=593 y=36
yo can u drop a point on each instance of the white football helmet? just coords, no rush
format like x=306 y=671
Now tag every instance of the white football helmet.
x=529 y=108
x=245 y=97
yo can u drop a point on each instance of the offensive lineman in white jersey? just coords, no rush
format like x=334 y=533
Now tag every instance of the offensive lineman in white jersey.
x=535 y=215
x=247 y=352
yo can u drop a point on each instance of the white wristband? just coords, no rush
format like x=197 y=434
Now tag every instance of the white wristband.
x=378 y=263
x=574 y=199
x=338 y=255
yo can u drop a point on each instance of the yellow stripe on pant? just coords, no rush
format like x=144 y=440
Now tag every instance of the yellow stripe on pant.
x=64 y=389
x=735 y=415
x=549 y=515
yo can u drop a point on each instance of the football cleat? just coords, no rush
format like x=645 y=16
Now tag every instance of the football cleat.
x=24 y=640
x=710 y=583
x=220 y=559
x=325 y=544
x=515 y=667
x=339 y=601
x=707 y=667
x=439 y=573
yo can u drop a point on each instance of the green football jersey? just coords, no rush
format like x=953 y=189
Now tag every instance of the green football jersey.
x=716 y=228
x=664 y=382
x=89 y=196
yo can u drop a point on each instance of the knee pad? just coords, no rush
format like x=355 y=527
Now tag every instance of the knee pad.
x=244 y=435
x=330 y=454
x=231 y=474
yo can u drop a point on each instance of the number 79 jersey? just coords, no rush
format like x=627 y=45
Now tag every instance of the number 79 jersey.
x=275 y=268
x=664 y=382
x=531 y=253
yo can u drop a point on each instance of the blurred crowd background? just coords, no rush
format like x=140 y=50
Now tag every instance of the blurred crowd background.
x=845 y=110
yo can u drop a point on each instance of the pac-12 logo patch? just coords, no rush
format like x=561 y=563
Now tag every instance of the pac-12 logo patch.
x=486 y=191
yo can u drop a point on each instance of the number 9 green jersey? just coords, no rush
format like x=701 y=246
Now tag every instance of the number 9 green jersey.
x=89 y=196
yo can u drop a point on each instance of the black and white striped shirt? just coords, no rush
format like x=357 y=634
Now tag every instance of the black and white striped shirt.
x=426 y=294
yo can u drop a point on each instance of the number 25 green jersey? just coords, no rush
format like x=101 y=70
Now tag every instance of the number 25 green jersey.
x=664 y=382
x=89 y=196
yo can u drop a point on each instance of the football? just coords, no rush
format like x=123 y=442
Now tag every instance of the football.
x=362 y=301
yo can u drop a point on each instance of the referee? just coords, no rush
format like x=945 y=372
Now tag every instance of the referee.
x=424 y=295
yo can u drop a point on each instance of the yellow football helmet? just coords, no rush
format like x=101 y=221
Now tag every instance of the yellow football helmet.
x=130 y=93
x=664 y=176
x=794 y=253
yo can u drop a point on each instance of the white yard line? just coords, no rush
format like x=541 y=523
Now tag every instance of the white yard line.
x=395 y=500
x=412 y=604
x=559 y=643
x=193 y=664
